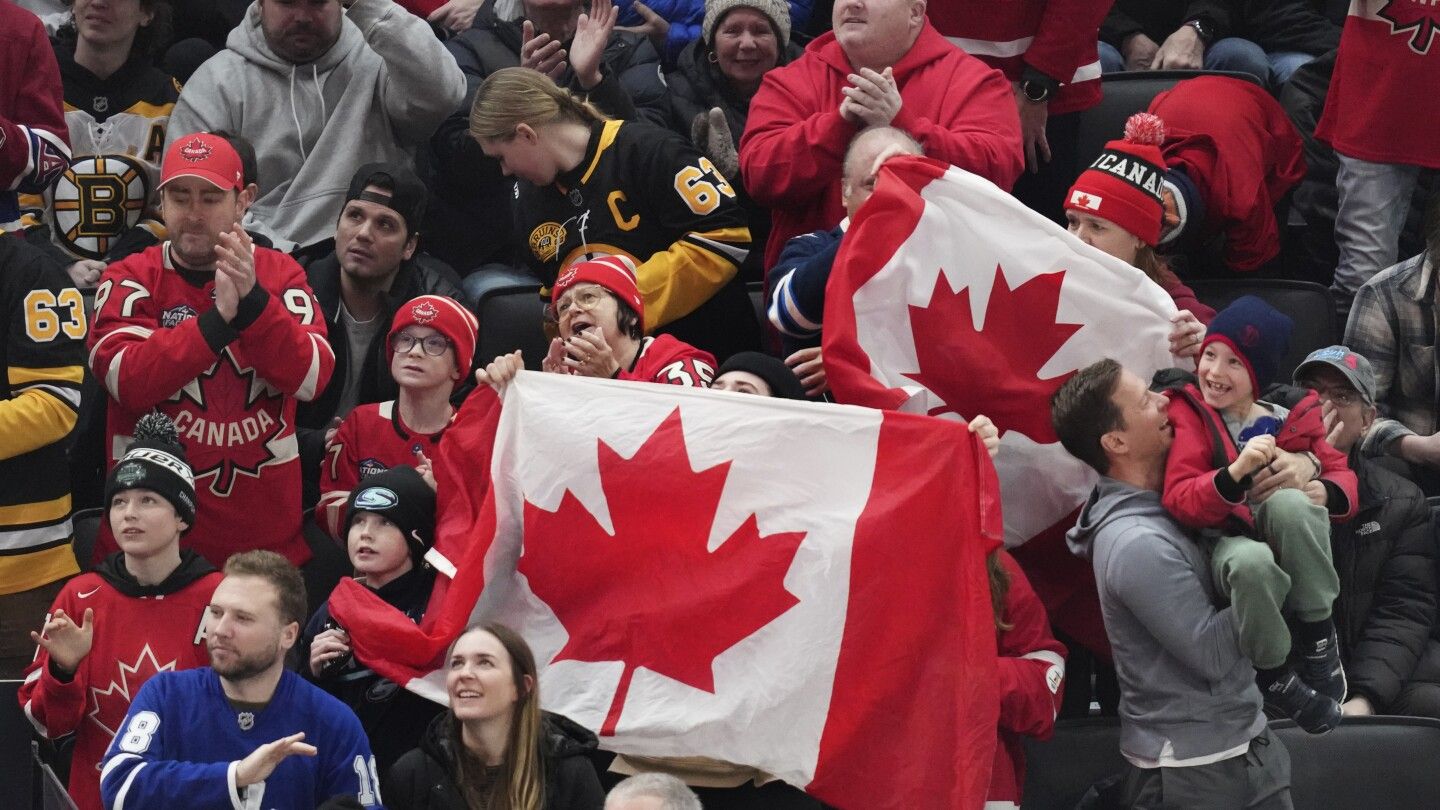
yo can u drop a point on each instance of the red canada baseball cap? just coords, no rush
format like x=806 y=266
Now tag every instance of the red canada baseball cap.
x=208 y=157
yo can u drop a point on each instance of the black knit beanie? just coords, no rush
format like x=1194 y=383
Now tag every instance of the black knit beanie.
x=156 y=461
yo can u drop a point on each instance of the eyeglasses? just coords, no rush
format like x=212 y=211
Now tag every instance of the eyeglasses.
x=1341 y=396
x=434 y=345
x=584 y=299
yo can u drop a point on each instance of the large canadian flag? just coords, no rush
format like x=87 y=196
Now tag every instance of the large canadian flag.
x=794 y=587
x=950 y=298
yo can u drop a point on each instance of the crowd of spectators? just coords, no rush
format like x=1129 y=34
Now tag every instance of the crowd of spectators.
x=241 y=251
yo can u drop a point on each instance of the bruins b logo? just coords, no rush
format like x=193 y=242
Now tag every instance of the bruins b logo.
x=96 y=200
x=545 y=241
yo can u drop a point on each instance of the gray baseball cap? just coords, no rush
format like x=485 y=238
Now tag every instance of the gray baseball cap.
x=1355 y=368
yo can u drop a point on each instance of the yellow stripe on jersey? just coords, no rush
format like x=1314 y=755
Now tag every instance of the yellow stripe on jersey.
x=676 y=281
x=24 y=376
x=607 y=137
x=33 y=419
x=24 y=514
x=23 y=572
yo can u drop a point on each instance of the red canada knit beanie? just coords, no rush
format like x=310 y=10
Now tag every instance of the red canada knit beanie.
x=1124 y=183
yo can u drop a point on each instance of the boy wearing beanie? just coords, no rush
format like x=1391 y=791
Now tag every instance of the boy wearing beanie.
x=1269 y=553
x=141 y=611
x=390 y=520
x=430 y=345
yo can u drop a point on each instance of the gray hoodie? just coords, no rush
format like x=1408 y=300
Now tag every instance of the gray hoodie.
x=381 y=90
x=1182 y=676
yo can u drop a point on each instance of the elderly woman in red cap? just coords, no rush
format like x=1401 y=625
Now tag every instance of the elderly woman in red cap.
x=1117 y=206
x=597 y=309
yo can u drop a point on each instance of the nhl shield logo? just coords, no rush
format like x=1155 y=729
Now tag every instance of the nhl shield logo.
x=246 y=720
x=196 y=150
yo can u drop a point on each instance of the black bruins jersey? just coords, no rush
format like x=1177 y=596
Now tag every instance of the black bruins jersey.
x=648 y=194
x=42 y=353
x=117 y=141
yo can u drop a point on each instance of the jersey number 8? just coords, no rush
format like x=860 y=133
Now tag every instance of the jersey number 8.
x=700 y=194
x=138 y=733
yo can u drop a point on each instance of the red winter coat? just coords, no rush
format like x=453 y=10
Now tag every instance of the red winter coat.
x=1238 y=146
x=1056 y=37
x=960 y=110
x=1031 y=676
x=1190 y=494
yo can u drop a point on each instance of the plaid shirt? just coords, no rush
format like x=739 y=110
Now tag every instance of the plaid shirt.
x=1392 y=323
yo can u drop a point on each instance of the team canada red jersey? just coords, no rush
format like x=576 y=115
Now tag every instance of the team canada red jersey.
x=158 y=343
x=371 y=440
x=1056 y=37
x=134 y=638
x=664 y=359
x=1381 y=105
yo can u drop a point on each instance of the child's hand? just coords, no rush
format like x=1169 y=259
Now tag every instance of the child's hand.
x=1257 y=452
x=1315 y=491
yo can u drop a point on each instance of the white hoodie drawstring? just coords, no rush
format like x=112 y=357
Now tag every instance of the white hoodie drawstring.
x=295 y=116
x=315 y=77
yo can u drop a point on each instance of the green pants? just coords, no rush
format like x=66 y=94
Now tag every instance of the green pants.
x=1290 y=572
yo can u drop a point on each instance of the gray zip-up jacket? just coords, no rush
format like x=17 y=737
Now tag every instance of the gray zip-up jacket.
x=380 y=91
x=1182 y=676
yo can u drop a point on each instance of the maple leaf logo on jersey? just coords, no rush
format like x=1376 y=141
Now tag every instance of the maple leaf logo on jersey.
x=108 y=706
x=1419 y=18
x=605 y=586
x=240 y=427
x=994 y=370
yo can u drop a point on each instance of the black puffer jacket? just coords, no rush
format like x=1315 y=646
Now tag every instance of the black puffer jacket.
x=697 y=86
x=1386 y=611
x=424 y=779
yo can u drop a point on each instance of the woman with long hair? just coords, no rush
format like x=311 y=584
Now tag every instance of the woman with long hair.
x=1117 y=206
x=589 y=187
x=494 y=749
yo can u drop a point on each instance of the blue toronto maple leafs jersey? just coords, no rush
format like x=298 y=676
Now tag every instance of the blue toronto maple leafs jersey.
x=182 y=740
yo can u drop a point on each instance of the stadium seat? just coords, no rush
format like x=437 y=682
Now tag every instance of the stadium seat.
x=1060 y=770
x=756 y=290
x=1309 y=304
x=1126 y=94
x=510 y=312
x=1368 y=762
x=17 y=769
x=86 y=525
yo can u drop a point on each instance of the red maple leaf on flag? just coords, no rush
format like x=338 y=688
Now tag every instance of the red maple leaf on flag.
x=652 y=594
x=1420 y=19
x=995 y=370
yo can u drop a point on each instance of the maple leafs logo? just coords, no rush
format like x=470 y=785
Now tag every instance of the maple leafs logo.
x=652 y=594
x=108 y=706
x=238 y=408
x=995 y=370
x=1419 y=19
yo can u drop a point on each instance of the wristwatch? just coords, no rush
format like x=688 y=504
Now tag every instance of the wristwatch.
x=1202 y=30
x=1037 y=87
